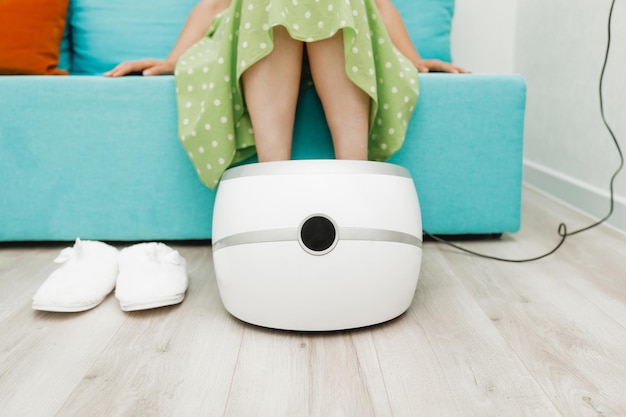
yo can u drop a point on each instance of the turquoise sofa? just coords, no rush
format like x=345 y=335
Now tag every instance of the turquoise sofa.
x=98 y=158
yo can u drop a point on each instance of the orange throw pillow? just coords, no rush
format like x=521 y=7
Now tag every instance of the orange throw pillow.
x=30 y=36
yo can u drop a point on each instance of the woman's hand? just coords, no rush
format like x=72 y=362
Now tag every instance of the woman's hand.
x=145 y=66
x=435 y=65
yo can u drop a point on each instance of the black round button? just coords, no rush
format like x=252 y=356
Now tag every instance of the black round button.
x=318 y=234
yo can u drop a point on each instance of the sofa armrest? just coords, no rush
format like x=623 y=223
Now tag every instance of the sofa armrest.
x=464 y=148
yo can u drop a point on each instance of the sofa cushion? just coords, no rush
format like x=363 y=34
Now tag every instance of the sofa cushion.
x=105 y=33
x=429 y=23
x=65 y=57
x=30 y=36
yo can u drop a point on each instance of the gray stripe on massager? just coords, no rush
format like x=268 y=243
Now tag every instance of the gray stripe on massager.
x=291 y=235
x=316 y=167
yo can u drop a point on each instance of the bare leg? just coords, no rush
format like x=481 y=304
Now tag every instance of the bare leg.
x=271 y=89
x=345 y=105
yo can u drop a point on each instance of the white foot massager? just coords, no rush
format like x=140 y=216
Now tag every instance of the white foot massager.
x=317 y=245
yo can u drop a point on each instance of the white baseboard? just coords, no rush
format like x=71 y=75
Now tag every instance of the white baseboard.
x=581 y=196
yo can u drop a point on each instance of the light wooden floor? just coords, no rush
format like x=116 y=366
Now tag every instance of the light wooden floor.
x=482 y=338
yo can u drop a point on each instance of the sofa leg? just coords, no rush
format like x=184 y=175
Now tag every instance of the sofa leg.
x=462 y=237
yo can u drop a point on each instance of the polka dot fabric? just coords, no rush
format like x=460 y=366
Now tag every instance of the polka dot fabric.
x=214 y=126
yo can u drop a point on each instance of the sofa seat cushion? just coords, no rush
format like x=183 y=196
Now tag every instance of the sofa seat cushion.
x=114 y=169
x=30 y=35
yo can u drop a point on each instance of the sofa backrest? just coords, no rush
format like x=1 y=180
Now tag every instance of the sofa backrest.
x=429 y=23
x=102 y=33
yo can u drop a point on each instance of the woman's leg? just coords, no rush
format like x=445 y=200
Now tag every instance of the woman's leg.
x=345 y=105
x=271 y=88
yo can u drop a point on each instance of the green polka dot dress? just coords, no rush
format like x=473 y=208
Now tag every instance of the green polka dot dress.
x=214 y=126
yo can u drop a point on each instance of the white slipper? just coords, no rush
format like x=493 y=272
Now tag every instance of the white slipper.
x=151 y=275
x=86 y=276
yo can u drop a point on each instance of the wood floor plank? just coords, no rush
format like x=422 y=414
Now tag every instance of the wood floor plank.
x=23 y=269
x=271 y=375
x=44 y=355
x=446 y=358
x=306 y=374
x=172 y=361
x=369 y=363
x=597 y=256
x=574 y=350
x=554 y=315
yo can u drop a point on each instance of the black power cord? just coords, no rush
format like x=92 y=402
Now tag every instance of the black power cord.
x=562 y=230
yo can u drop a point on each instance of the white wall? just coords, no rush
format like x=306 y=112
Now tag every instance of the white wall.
x=558 y=46
x=483 y=35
